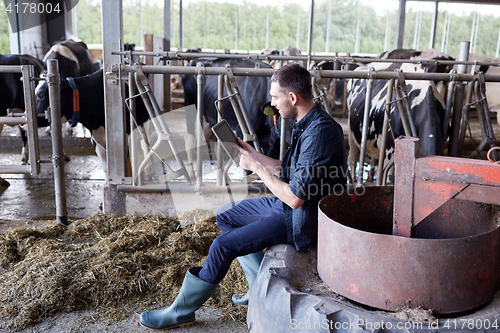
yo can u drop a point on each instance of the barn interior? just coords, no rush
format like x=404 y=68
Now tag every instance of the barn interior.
x=156 y=191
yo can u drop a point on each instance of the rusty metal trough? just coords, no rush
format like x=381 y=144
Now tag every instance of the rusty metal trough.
x=374 y=248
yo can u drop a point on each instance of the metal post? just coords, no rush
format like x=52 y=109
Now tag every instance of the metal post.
x=220 y=161
x=167 y=89
x=199 y=130
x=402 y=109
x=133 y=133
x=449 y=105
x=432 y=41
x=57 y=146
x=498 y=43
x=480 y=117
x=181 y=30
x=309 y=40
x=457 y=109
x=112 y=38
x=475 y=34
x=328 y=26
x=416 y=35
x=364 y=136
x=167 y=14
x=400 y=24
x=358 y=30
x=443 y=41
x=472 y=31
x=447 y=34
x=28 y=73
x=388 y=32
x=385 y=129
x=173 y=22
x=297 y=38
x=141 y=38
x=267 y=27
x=205 y=27
x=236 y=29
x=471 y=87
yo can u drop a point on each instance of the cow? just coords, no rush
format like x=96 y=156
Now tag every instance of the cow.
x=73 y=58
x=91 y=103
x=492 y=88
x=73 y=61
x=11 y=86
x=286 y=51
x=254 y=92
x=427 y=108
x=429 y=54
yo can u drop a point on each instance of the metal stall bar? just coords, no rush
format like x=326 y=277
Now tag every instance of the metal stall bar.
x=175 y=55
x=480 y=115
x=200 y=80
x=471 y=87
x=432 y=39
x=133 y=133
x=484 y=118
x=318 y=91
x=57 y=143
x=383 y=75
x=453 y=147
x=323 y=73
x=402 y=109
x=449 y=102
x=112 y=39
x=489 y=125
x=221 y=179
x=385 y=129
x=240 y=110
x=405 y=111
x=29 y=117
x=160 y=126
x=364 y=137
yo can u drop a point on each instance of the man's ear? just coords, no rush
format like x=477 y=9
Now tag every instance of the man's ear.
x=293 y=97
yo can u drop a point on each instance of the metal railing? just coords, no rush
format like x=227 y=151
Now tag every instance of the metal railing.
x=398 y=79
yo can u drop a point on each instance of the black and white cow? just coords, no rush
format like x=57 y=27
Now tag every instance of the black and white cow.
x=73 y=60
x=429 y=54
x=254 y=92
x=91 y=104
x=11 y=86
x=427 y=108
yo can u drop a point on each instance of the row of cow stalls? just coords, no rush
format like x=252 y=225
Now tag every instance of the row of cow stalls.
x=397 y=84
x=29 y=117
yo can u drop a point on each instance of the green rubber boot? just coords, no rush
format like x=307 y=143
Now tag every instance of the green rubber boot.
x=250 y=264
x=194 y=292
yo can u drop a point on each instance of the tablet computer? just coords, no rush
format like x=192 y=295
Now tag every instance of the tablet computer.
x=228 y=139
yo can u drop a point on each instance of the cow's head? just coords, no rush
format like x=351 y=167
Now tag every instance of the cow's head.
x=43 y=101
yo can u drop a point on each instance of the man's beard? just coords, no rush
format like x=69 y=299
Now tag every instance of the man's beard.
x=288 y=112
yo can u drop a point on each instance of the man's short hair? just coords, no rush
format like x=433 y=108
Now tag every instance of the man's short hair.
x=294 y=78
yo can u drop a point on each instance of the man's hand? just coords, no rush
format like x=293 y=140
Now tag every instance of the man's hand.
x=248 y=160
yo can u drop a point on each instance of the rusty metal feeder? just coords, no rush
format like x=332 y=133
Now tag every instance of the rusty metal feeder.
x=432 y=241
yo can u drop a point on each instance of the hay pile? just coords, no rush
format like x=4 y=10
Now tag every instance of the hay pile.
x=115 y=265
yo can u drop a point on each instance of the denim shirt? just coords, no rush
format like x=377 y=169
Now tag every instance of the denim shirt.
x=313 y=166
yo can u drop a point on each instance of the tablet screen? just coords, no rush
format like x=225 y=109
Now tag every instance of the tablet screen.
x=227 y=139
